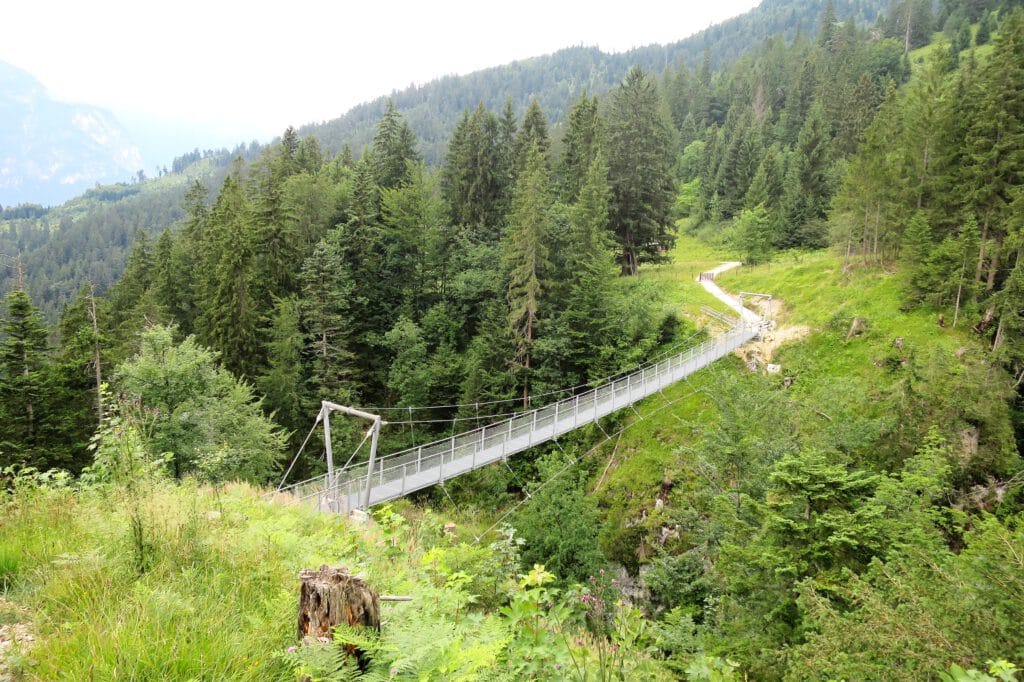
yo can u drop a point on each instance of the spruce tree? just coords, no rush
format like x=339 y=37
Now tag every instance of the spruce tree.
x=326 y=308
x=581 y=335
x=230 y=316
x=526 y=259
x=283 y=382
x=807 y=190
x=582 y=140
x=534 y=132
x=640 y=163
x=24 y=382
x=394 y=148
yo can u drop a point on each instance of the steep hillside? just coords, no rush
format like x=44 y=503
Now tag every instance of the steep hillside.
x=56 y=263
x=557 y=79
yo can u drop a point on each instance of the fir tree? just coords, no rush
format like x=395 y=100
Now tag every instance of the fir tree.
x=582 y=140
x=580 y=336
x=640 y=162
x=394 y=148
x=326 y=307
x=534 y=132
x=24 y=382
x=526 y=259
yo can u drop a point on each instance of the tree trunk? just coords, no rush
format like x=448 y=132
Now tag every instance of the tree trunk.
x=993 y=268
x=96 y=354
x=981 y=251
x=331 y=596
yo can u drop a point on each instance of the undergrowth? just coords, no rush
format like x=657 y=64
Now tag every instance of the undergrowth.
x=218 y=598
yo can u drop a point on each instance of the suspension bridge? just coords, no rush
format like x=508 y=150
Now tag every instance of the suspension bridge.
x=380 y=479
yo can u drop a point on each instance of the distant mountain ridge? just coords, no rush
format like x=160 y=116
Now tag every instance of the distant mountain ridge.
x=51 y=151
x=51 y=245
x=556 y=79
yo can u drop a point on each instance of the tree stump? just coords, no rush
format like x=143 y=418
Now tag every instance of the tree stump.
x=331 y=596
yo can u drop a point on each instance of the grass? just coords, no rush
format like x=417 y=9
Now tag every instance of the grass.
x=861 y=395
x=676 y=279
x=219 y=600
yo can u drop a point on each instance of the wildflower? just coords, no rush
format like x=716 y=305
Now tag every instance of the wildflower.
x=292 y=649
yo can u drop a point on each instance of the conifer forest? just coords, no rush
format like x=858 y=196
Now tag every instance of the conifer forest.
x=842 y=498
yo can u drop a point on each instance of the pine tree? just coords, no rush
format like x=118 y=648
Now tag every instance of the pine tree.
x=283 y=382
x=474 y=178
x=581 y=336
x=639 y=161
x=583 y=139
x=79 y=371
x=807 y=190
x=534 y=132
x=229 y=318
x=995 y=138
x=24 y=382
x=526 y=259
x=394 y=148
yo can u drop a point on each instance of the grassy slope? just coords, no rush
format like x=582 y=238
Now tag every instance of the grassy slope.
x=219 y=598
x=848 y=393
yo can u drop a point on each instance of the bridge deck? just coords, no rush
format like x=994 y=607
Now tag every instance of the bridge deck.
x=403 y=472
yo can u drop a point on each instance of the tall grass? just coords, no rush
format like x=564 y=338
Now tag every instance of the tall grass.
x=217 y=601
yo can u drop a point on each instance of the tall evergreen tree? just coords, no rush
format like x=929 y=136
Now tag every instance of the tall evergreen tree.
x=283 y=382
x=326 y=308
x=580 y=337
x=583 y=138
x=807 y=184
x=473 y=179
x=526 y=259
x=230 y=318
x=24 y=382
x=394 y=148
x=640 y=164
x=534 y=132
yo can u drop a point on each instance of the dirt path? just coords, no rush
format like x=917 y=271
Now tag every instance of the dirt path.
x=764 y=348
x=731 y=301
x=13 y=636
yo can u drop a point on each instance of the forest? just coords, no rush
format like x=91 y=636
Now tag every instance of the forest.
x=864 y=520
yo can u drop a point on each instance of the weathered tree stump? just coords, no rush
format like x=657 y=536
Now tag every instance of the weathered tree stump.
x=857 y=327
x=331 y=596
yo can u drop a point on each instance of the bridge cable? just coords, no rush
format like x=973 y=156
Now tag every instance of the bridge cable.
x=534 y=396
x=361 y=443
x=575 y=461
x=296 y=458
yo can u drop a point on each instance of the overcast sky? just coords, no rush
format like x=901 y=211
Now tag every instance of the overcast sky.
x=251 y=69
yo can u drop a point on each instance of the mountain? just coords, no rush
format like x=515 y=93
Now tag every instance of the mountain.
x=51 y=151
x=555 y=80
x=50 y=244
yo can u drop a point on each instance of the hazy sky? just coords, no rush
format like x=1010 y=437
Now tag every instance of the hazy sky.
x=251 y=69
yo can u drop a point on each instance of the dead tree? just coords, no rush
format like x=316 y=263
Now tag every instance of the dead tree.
x=331 y=596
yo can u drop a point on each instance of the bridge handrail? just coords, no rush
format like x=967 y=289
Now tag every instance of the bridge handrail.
x=537 y=425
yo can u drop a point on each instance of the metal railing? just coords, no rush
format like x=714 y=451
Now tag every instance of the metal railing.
x=406 y=471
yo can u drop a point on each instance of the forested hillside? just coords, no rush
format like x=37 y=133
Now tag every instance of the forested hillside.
x=857 y=515
x=57 y=260
x=557 y=79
